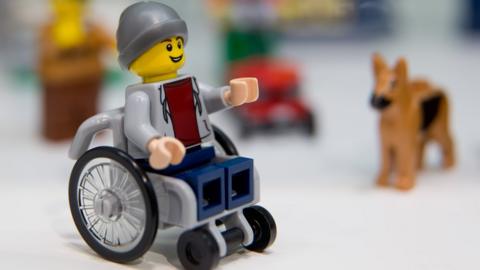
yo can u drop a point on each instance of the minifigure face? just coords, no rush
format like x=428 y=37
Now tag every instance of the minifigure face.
x=164 y=58
x=389 y=83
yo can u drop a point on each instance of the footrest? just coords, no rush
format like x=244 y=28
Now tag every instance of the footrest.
x=208 y=184
x=239 y=181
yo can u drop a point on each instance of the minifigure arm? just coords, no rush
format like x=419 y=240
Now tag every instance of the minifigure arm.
x=138 y=127
x=214 y=97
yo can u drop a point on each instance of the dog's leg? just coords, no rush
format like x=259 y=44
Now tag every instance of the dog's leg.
x=406 y=164
x=386 y=165
x=441 y=135
x=440 y=132
x=448 y=152
x=446 y=143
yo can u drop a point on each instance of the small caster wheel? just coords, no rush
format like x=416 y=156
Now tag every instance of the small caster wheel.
x=263 y=226
x=198 y=250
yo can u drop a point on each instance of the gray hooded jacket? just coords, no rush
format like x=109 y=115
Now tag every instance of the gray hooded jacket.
x=147 y=115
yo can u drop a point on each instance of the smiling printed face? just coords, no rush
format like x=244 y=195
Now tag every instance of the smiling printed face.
x=160 y=62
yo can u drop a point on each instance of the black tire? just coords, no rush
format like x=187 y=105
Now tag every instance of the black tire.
x=138 y=183
x=225 y=142
x=264 y=228
x=198 y=250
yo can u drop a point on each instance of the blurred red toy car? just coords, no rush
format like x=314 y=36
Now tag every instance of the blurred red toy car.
x=280 y=104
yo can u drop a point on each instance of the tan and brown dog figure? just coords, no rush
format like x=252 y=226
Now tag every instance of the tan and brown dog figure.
x=412 y=113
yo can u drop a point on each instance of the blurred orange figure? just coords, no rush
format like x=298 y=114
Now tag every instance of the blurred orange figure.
x=70 y=68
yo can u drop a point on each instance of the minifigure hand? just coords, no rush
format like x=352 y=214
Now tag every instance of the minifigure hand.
x=165 y=151
x=242 y=90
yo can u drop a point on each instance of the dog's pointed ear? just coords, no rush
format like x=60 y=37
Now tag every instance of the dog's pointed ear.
x=378 y=64
x=401 y=70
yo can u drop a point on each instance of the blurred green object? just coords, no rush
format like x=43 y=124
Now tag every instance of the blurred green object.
x=242 y=44
x=24 y=78
x=113 y=77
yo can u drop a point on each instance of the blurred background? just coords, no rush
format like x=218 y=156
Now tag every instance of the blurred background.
x=313 y=136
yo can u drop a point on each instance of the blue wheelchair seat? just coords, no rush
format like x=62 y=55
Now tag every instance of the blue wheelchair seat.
x=217 y=185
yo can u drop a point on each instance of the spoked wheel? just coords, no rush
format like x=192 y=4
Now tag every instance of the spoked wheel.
x=197 y=250
x=263 y=226
x=223 y=144
x=113 y=204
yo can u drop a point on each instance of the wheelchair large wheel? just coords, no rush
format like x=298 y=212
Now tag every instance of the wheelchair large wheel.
x=223 y=144
x=113 y=204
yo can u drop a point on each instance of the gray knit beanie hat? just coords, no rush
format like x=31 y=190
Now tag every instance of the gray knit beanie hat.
x=144 y=24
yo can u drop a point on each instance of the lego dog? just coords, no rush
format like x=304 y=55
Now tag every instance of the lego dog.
x=412 y=113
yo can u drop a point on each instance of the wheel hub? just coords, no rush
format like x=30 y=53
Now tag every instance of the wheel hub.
x=108 y=206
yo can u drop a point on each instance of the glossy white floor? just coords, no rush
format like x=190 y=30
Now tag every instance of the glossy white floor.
x=321 y=192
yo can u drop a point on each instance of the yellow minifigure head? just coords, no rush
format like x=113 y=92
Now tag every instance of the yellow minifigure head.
x=68 y=27
x=162 y=61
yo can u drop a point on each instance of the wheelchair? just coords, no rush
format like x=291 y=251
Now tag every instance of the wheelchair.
x=118 y=206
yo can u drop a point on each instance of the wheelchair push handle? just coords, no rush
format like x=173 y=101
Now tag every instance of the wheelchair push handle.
x=112 y=120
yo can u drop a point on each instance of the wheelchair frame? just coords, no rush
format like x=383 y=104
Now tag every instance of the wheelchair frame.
x=168 y=202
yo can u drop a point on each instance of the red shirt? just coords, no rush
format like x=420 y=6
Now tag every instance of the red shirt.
x=181 y=104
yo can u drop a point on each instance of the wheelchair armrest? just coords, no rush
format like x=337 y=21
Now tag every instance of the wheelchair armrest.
x=86 y=132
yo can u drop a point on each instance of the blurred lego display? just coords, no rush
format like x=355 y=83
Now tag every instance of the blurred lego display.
x=413 y=113
x=280 y=105
x=70 y=68
x=250 y=30
x=334 y=18
x=472 y=16
x=308 y=18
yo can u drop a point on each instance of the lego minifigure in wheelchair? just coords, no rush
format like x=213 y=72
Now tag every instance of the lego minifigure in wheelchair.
x=168 y=165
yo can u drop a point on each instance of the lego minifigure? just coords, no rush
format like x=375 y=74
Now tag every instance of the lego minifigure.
x=162 y=170
x=413 y=113
x=167 y=113
x=70 y=68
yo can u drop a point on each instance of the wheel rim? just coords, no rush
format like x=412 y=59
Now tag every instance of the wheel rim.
x=257 y=230
x=111 y=205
